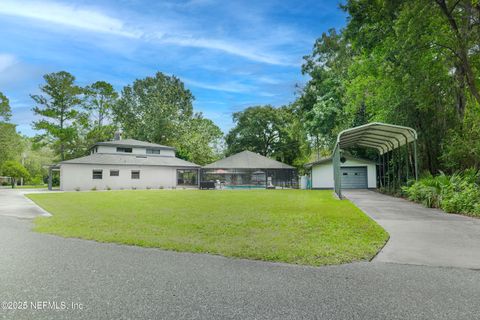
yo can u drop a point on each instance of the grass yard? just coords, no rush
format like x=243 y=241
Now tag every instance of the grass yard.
x=295 y=226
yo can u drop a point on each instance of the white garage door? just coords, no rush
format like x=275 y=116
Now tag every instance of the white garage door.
x=354 y=177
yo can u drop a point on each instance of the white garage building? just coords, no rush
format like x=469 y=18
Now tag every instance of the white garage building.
x=128 y=164
x=355 y=173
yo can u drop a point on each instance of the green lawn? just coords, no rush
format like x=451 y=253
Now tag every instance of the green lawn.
x=295 y=226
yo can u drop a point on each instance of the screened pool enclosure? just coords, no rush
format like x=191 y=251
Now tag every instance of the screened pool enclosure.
x=249 y=170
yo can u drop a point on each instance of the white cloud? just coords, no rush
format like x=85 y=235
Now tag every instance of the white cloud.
x=69 y=15
x=268 y=80
x=15 y=73
x=239 y=49
x=233 y=87
x=6 y=61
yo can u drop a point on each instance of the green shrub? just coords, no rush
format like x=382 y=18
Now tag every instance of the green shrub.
x=36 y=180
x=458 y=193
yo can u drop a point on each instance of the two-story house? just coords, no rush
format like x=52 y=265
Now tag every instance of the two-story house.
x=128 y=164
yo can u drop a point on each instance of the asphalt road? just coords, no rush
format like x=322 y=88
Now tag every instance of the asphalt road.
x=124 y=282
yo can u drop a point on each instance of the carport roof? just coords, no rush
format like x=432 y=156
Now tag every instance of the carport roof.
x=380 y=136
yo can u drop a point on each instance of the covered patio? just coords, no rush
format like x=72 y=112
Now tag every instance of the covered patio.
x=396 y=147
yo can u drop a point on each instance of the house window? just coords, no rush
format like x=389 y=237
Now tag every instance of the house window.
x=126 y=150
x=97 y=174
x=135 y=174
x=114 y=173
x=153 y=151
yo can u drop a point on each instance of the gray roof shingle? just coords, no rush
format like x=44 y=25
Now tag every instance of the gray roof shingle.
x=131 y=159
x=132 y=143
x=247 y=160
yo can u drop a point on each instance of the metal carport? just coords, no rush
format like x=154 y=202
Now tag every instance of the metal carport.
x=383 y=137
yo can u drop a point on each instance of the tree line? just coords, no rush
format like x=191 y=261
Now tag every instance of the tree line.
x=406 y=62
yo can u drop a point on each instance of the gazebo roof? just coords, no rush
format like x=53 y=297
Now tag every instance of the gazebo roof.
x=247 y=160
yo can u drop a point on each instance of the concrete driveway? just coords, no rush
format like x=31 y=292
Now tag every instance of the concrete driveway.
x=13 y=203
x=420 y=235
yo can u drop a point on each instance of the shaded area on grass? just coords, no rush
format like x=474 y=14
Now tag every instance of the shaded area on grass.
x=295 y=226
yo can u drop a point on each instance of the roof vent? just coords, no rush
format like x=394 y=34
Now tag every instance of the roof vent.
x=117 y=136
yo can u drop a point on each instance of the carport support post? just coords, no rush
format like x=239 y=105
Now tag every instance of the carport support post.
x=415 y=159
x=388 y=171
x=407 y=156
x=383 y=170
x=394 y=169
x=336 y=171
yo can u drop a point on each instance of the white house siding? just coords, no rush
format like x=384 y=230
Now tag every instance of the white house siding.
x=80 y=176
x=135 y=150
x=322 y=174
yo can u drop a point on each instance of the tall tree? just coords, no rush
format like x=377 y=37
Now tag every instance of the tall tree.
x=463 y=18
x=154 y=109
x=293 y=147
x=5 y=111
x=269 y=131
x=99 y=101
x=200 y=141
x=321 y=103
x=10 y=140
x=256 y=129
x=100 y=97
x=10 y=143
x=403 y=62
x=15 y=170
x=36 y=160
x=58 y=109
x=159 y=109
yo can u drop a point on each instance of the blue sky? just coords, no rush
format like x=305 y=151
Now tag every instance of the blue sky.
x=230 y=54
